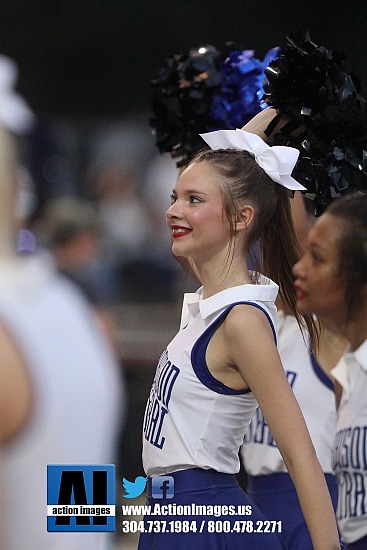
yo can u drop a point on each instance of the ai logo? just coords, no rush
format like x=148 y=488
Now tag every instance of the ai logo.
x=80 y=497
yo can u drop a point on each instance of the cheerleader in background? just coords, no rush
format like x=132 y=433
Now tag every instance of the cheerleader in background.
x=60 y=389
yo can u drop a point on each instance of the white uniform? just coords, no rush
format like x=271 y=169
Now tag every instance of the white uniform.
x=314 y=393
x=349 y=458
x=76 y=394
x=191 y=419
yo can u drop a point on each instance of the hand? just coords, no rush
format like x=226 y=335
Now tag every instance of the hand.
x=259 y=123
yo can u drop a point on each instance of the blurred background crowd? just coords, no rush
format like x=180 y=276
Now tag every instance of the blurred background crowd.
x=94 y=187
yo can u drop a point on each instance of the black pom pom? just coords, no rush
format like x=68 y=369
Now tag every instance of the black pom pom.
x=182 y=94
x=314 y=86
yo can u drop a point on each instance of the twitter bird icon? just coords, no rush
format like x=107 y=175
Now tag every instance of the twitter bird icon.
x=134 y=489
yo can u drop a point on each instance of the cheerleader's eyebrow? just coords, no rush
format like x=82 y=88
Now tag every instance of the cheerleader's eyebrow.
x=190 y=192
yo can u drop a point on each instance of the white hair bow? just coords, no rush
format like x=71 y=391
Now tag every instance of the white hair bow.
x=277 y=161
x=15 y=115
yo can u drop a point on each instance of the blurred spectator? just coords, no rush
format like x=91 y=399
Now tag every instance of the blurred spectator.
x=130 y=234
x=70 y=230
x=160 y=180
x=123 y=215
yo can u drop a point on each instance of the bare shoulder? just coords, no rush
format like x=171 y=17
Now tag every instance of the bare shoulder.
x=15 y=387
x=244 y=342
x=249 y=340
x=247 y=321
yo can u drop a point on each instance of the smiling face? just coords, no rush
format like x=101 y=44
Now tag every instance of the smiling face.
x=196 y=218
x=319 y=284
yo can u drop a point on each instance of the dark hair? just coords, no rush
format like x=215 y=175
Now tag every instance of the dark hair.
x=242 y=180
x=352 y=210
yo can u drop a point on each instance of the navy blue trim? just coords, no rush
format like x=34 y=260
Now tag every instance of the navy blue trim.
x=198 y=354
x=281 y=482
x=321 y=375
x=359 y=544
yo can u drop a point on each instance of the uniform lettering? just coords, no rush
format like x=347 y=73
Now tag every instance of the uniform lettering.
x=349 y=460
x=160 y=396
x=259 y=430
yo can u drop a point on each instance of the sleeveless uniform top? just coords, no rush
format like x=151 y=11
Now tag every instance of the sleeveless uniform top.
x=75 y=399
x=315 y=395
x=349 y=457
x=192 y=420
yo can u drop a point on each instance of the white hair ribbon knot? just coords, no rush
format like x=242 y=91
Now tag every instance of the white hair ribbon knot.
x=277 y=161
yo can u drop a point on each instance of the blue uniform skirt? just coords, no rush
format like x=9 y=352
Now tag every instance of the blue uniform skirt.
x=208 y=511
x=276 y=496
x=360 y=544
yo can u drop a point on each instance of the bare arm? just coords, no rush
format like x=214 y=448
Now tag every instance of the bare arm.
x=251 y=349
x=15 y=388
x=259 y=123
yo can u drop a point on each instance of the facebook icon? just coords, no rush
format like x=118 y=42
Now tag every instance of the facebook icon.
x=163 y=486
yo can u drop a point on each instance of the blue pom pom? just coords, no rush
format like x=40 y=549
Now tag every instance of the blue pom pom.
x=241 y=91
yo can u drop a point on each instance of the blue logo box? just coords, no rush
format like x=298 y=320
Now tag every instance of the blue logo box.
x=163 y=487
x=81 y=497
